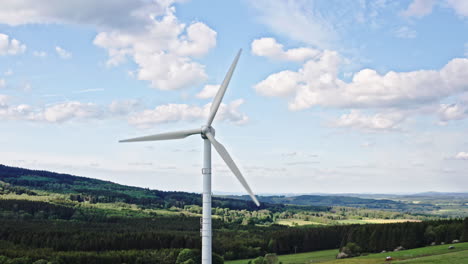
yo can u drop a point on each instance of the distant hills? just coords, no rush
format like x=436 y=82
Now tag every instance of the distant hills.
x=99 y=191
x=93 y=190
x=347 y=201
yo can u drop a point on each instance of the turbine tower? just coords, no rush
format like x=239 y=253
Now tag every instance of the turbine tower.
x=207 y=133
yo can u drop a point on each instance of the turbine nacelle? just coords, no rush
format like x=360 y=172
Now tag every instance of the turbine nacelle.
x=207 y=129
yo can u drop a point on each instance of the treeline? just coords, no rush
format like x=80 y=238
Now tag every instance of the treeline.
x=230 y=241
x=97 y=191
x=376 y=238
x=348 y=201
x=47 y=256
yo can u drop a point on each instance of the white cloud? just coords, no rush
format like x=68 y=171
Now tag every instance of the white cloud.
x=208 y=91
x=162 y=51
x=103 y=14
x=320 y=24
x=40 y=54
x=279 y=84
x=461 y=156
x=81 y=111
x=58 y=113
x=8 y=112
x=299 y=20
x=405 y=32
x=460 y=6
x=183 y=112
x=2 y=83
x=71 y=110
x=10 y=47
x=419 y=8
x=378 y=122
x=268 y=47
x=317 y=84
x=63 y=53
x=146 y=31
x=449 y=112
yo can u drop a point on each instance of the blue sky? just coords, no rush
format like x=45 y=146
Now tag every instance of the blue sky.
x=328 y=96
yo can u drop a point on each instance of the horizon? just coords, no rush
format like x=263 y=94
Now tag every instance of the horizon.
x=221 y=193
x=327 y=97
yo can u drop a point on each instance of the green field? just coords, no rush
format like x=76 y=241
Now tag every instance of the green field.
x=434 y=254
x=300 y=222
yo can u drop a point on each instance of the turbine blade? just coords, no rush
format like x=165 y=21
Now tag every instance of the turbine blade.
x=230 y=163
x=165 y=136
x=222 y=90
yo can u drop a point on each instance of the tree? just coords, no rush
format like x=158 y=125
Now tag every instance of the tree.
x=352 y=249
x=186 y=255
x=464 y=236
x=270 y=258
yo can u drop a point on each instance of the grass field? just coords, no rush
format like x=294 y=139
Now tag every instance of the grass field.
x=300 y=222
x=434 y=254
x=376 y=221
x=294 y=222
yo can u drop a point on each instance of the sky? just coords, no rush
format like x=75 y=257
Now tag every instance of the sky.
x=329 y=96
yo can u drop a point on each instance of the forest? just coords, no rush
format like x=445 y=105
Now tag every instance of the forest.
x=47 y=217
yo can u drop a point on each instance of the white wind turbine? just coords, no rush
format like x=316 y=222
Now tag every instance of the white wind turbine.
x=208 y=135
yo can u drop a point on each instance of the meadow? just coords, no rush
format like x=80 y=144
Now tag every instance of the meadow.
x=439 y=254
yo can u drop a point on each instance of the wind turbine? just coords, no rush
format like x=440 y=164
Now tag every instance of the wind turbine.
x=207 y=133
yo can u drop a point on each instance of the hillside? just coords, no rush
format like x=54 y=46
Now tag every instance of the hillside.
x=99 y=191
x=434 y=254
x=348 y=201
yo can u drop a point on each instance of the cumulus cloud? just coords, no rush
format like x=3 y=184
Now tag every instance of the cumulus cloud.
x=457 y=111
x=208 y=91
x=183 y=112
x=317 y=83
x=394 y=94
x=162 y=51
x=10 y=47
x=8 y=112
x=63 y=53
x=461 y=156
x=57 y=113
x=82 y=111
x=71 y=110
x=419 y=8
x=377 y=122
x=145 y=31
x=268 y=47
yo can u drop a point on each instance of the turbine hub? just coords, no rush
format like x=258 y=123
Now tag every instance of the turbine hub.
x=207 y=129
